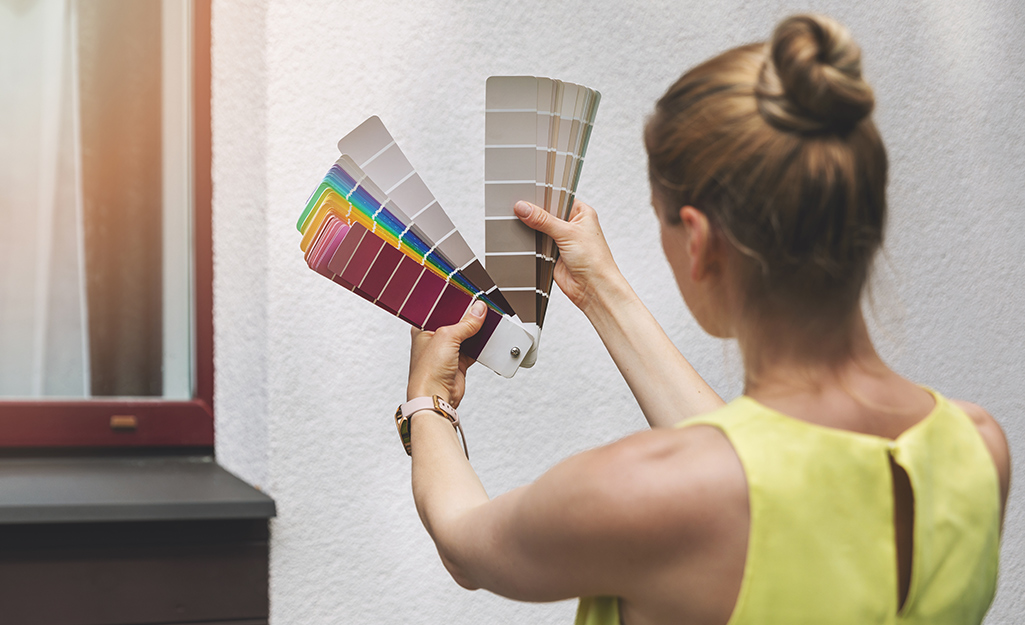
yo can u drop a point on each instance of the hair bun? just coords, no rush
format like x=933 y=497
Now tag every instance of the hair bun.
x=811 y=80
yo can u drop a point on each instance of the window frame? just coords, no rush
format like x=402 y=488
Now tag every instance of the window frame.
x=90 y=423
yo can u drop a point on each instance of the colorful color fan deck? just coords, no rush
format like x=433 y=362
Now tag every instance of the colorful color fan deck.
x=366 y=204
x=373 y=226
x=399 y=250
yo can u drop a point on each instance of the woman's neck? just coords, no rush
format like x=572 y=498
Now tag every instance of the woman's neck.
x=829 y=373
x=784 y=355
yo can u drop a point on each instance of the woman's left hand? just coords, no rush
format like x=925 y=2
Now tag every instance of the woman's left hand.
x=435 y=365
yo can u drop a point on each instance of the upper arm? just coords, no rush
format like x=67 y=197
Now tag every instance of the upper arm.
x=993 y=435
x=596 y=524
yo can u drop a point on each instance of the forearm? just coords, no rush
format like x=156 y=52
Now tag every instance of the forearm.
x=445 y=486
x=665 y=384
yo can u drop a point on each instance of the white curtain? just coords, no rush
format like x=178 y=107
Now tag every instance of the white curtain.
x=43 y=315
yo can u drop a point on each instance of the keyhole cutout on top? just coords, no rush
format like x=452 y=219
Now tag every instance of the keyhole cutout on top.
x=904 y=524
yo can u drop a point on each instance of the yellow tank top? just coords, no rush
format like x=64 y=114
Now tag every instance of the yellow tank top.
x=822 y=547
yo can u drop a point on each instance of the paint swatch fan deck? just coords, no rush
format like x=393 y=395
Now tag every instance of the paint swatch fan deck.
x=375 y=228
x=535 y=137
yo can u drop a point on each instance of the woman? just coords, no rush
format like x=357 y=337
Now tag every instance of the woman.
x=834 y=490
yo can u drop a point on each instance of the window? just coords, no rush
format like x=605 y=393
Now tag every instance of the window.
x=105 y=247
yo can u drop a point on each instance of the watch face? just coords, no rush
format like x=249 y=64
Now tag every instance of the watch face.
x=402 y=425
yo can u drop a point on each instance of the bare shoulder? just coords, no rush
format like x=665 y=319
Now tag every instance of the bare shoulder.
x=610 y=520
x=993 y=435
x=990 y=430
x=680 y=482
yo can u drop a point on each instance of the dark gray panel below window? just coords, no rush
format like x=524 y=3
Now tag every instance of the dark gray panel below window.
x=75 y=490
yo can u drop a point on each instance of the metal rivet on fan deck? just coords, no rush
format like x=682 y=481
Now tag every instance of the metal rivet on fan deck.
x=515 y=352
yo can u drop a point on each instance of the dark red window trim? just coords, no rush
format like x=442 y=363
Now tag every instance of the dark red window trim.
x=146 y=423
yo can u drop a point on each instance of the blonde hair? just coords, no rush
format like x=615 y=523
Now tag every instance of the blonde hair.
x=774 y=143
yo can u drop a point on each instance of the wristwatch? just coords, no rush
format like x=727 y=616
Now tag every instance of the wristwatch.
x=435 y=403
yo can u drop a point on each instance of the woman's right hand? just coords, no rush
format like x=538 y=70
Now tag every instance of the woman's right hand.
x=585 y=264
x=666 y=387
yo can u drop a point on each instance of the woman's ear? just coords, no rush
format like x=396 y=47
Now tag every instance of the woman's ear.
x=701 y=243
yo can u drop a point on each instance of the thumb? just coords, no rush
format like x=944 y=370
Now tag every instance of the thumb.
x=541 y=220
x=471 y=322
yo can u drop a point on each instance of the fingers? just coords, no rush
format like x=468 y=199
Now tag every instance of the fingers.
x=581 y=210
x=419 y=337
x=540 y=220
x=471 y=322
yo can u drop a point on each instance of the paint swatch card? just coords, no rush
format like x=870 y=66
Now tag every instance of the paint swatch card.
x=535 y=137
x=510 y=169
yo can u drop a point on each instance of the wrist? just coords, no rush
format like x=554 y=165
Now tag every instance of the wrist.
x=611 y=292
x=426 y=390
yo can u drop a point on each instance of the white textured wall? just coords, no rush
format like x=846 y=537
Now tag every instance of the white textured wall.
x=308 y=375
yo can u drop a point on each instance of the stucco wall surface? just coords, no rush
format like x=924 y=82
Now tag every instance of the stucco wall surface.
x=308 y=375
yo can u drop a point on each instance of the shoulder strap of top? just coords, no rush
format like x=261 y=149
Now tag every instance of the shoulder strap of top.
x=738 y=411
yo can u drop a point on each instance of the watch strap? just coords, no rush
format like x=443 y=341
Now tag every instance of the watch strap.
x=429 y=403
x=405 y=412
